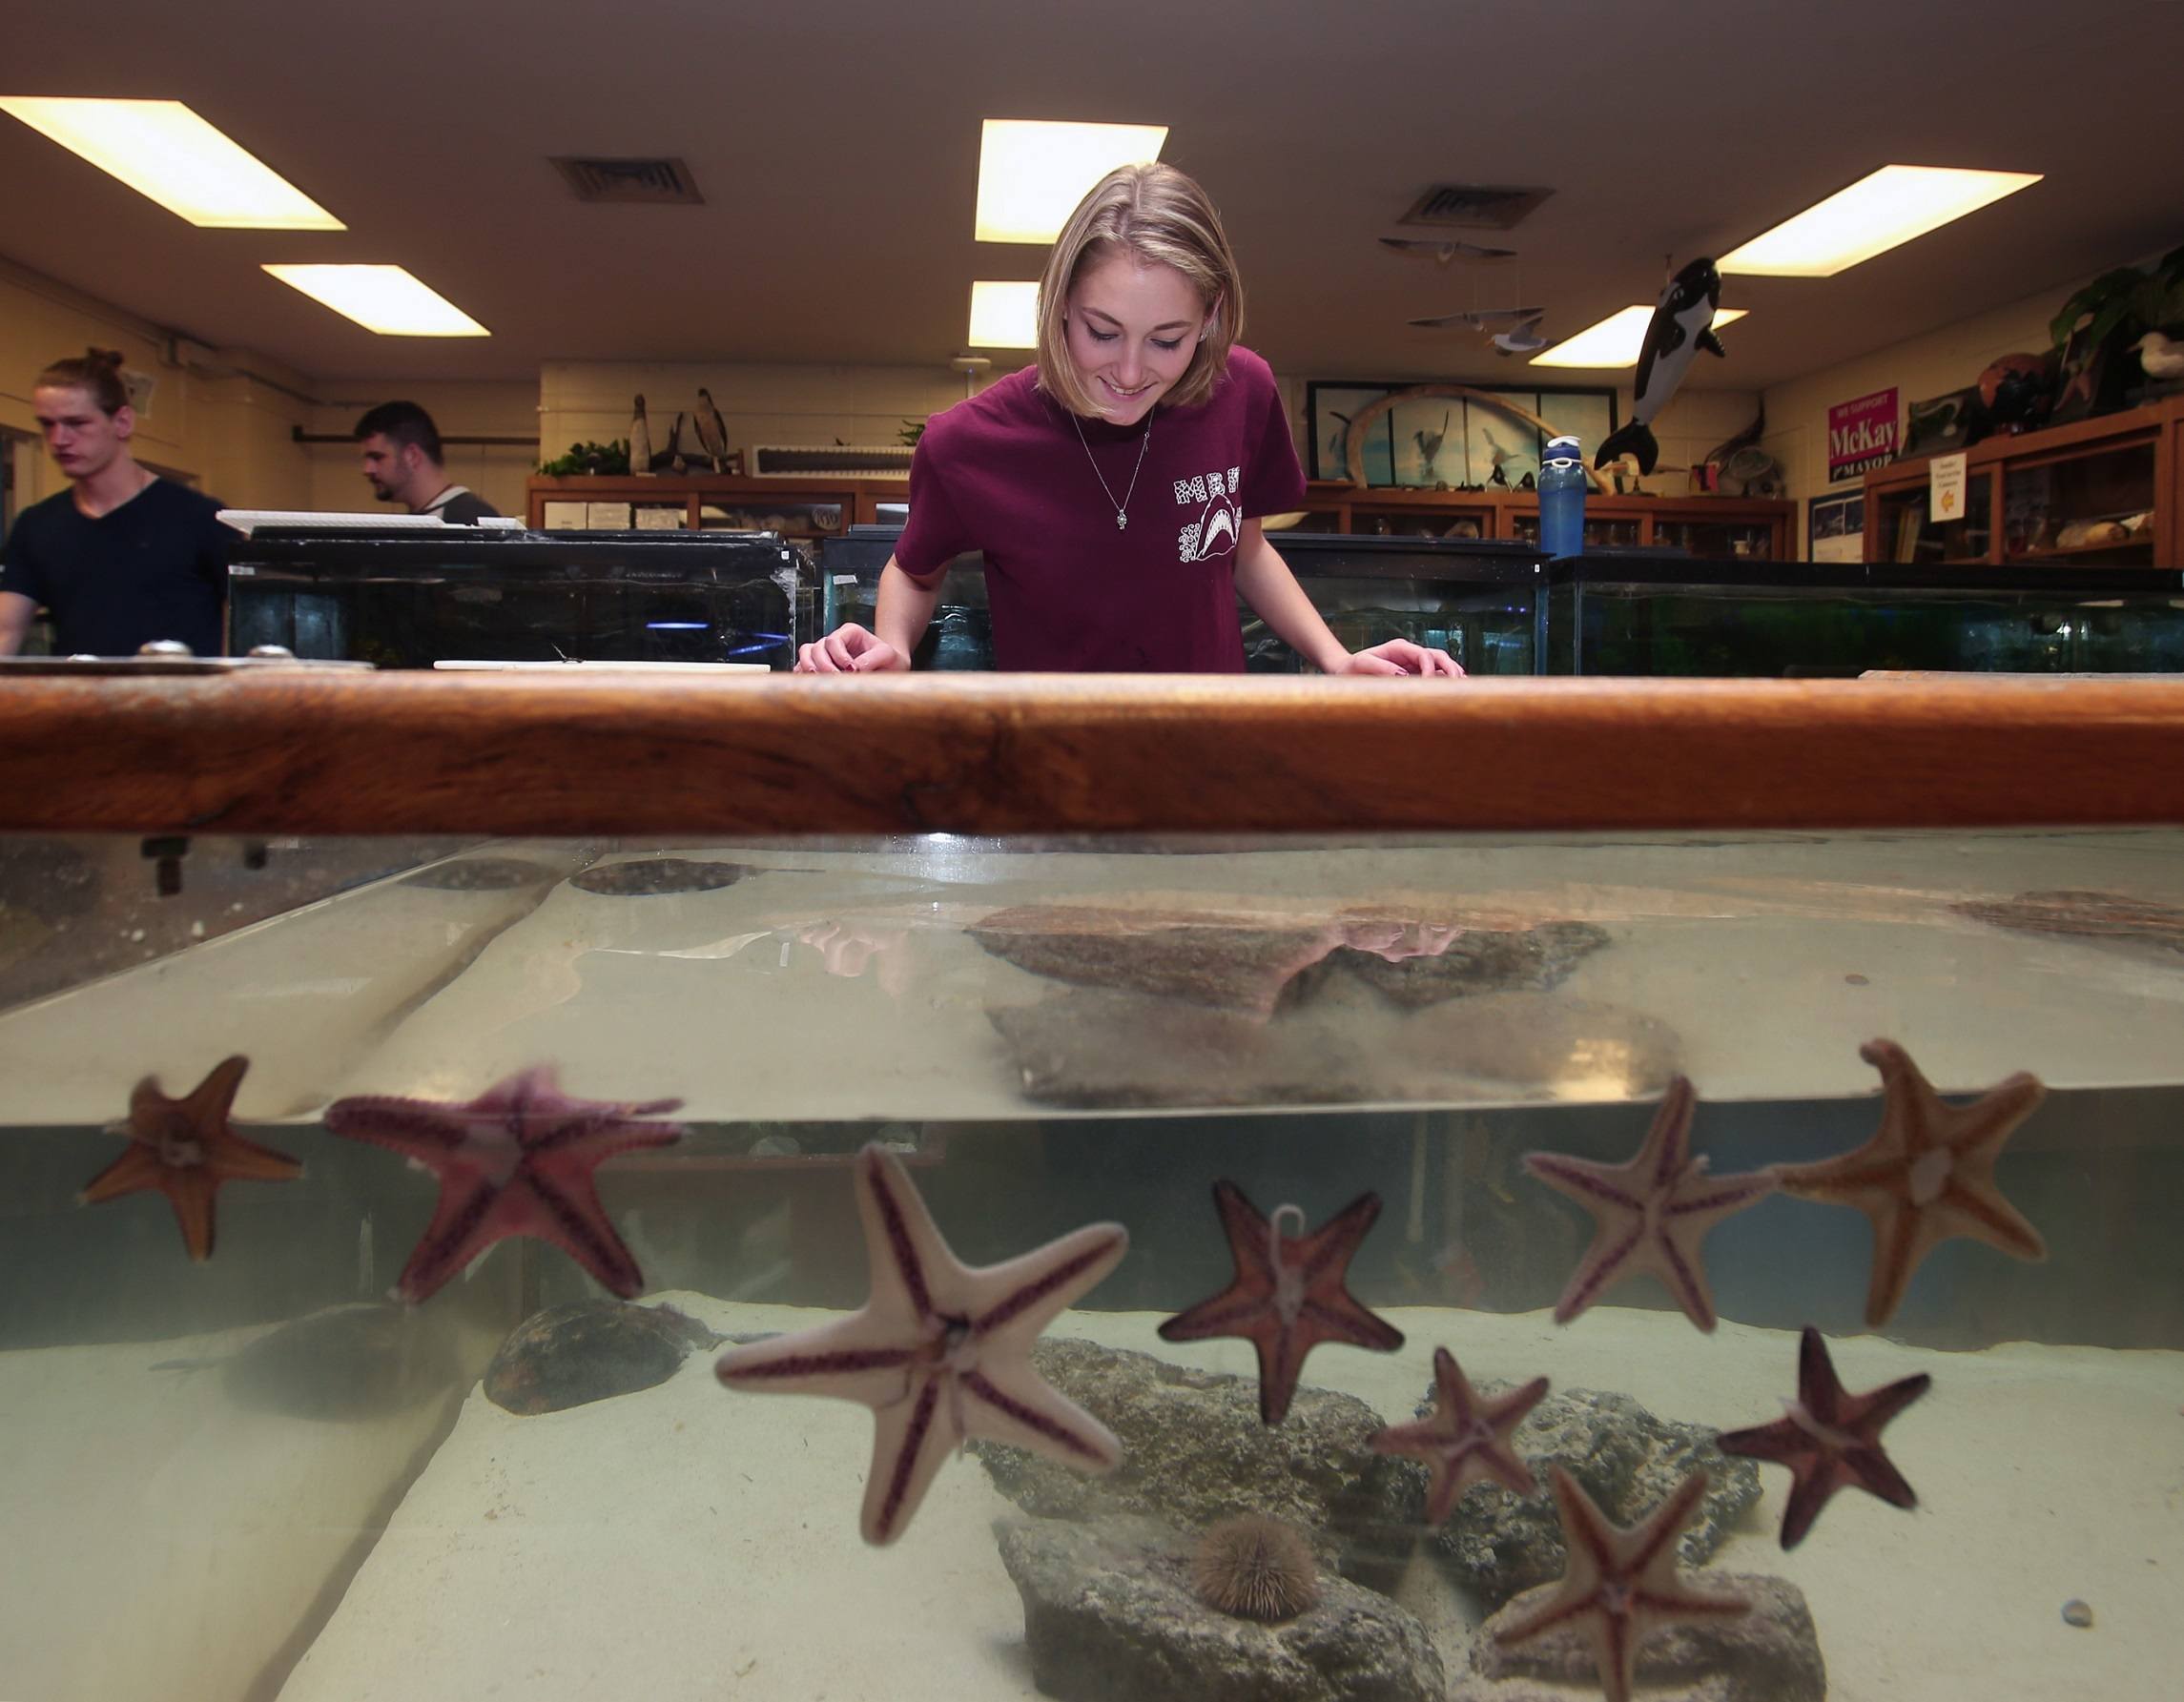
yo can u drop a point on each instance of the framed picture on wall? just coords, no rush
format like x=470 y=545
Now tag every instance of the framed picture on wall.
x=1835 y=527
x=1457 y=437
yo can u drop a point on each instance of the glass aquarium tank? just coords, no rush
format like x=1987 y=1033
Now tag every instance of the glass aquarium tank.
x=1477 y=600
x=406 y=599
x=1668 y=616
x=1689 y=1219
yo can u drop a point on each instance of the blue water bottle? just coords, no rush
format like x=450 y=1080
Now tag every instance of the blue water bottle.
x=1562 y=499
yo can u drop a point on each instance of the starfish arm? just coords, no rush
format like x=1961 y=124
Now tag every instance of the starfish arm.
x=1868 y=1412
x=1875 y=1473
x=1815 y=1478
x=1981 y=1213
x=1246 y=1230
x=1225 y=1314
x=210 y=1100
x=242 y=1160
x=1901 y=1239
x=466 y=1222
x=1593 y=1187
x=1281 y=1363
x=1327 y=1252
x=1338 y=1316
x=1012 y=1302
x=911 y=1441
x=189 y=1192
x=903 y=1247
x=137 y=1168
x=565 y=1211
x=865 y=1357
x=1667 y=1144
x=424 y=1131
x=1605 y=1264
x=1013 y=1403
x=1781 y=1443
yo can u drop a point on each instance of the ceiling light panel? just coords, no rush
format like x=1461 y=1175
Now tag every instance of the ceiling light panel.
x=383 y=299
x=164 y=151
x=1032 y=173
x=1877 y=213
x=1616 y=341
x=1004 y=315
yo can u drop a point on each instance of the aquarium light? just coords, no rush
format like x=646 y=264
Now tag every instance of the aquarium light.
x=1032 y=173
x=1004 y=315
x=1878 y=211
x=1617 y=340
x=164 y=151
x=383 y=299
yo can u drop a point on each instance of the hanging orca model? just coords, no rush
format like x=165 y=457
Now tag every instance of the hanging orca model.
x=1680 y=327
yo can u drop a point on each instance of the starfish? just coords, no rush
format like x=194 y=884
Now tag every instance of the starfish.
x=518 y=1159
x=1927 y=1176
x=1466 y=1440
x=1652 y=1213
x=1621 y=1582
x=1829 y=1439
x=941 y=1350
x=1289 y=1295
x=186 y=1148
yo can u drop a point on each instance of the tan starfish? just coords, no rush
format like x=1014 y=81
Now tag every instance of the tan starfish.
x=186 y=1148
x=941 y=1351
x=1652 y=1213
x=1466 y=1440
x=1621 y=1583
x=1927 y=1176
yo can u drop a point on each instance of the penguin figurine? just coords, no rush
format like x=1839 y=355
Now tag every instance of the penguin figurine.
x=640 y=441
x=712 y=430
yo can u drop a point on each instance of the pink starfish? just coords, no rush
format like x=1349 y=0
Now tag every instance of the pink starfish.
x=1466 y=1440
x=186 y=1148
x=1621 y=1583
x=1830 y=1440
x=941 y=1350
x=518 y=1159
x=1290 y=1293
x=1652 y=1213
x=1927 y=1176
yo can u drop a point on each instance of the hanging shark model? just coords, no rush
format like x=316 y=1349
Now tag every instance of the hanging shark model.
x=1680 y=327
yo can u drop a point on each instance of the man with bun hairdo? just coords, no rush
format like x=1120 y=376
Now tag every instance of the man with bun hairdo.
x=122 y=557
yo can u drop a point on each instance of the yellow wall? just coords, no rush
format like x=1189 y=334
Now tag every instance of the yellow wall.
x=335 y=475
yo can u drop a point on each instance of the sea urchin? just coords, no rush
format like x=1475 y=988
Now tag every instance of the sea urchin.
x=1253 y=1566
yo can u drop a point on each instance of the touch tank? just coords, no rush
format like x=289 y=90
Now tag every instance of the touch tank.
x=1134 y=1189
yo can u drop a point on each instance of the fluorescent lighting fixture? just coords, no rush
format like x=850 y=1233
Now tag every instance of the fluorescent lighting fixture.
x=1004 y=315
x=1032 y=173
x=1874 y=215
x=161 y=148
x=1617 y=340
x=381 y=299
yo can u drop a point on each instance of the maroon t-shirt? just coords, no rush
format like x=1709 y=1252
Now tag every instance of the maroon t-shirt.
x=1004 y=473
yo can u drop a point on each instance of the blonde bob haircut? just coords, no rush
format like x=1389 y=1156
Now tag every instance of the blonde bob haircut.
x=1151 y=212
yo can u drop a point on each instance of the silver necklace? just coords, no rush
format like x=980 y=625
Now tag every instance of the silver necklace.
x=1121 y=509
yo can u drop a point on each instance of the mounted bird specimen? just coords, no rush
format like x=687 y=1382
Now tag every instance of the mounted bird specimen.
x=1524 y=340
x=640 y=440
x=1444 y=249
x=1483 y=319
x=712 y=430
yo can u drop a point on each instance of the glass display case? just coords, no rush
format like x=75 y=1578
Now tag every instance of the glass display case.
x=1899 y=526
x=1475 y=600
x=1658 y=616
x=409 y=599
x=2089 y=508
x=566 y=1240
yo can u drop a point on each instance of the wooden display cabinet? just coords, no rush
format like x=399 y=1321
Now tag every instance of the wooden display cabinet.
x=803 y=510
x=1716 y=528
x=2099 y=492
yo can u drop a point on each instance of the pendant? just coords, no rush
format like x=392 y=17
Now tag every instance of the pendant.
x=1121 y=520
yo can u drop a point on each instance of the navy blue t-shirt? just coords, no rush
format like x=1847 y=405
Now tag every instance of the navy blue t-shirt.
x=155 y=568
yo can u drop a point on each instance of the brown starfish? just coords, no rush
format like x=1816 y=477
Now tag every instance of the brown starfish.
x=186 y=1148
x=1466 y=1440
x=941 y=1351
x=1289 y=1295
x=1829 y=1439
x=1621 y=1583
x=1927 y=1176
x=1652 y=1213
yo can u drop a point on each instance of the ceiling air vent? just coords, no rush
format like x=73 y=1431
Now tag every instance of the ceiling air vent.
x=648 y=182
x=1475 y=207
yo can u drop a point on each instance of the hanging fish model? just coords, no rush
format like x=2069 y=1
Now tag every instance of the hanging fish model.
x=1680 y=327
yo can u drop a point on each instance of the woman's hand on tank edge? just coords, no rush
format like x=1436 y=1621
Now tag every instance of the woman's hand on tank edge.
x=1400 y=656
x=849 y=649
